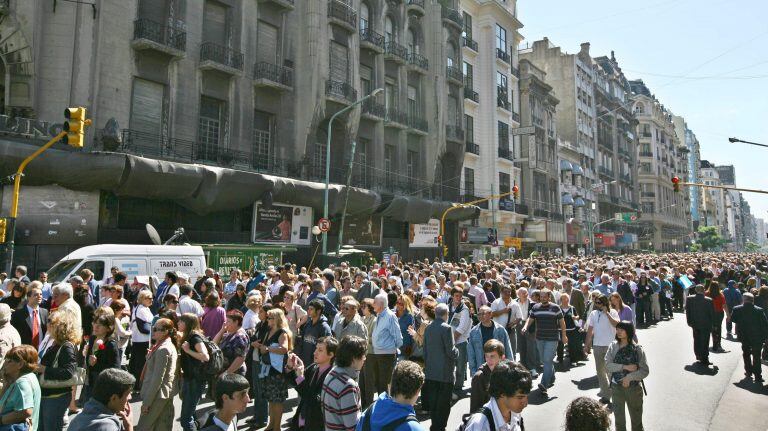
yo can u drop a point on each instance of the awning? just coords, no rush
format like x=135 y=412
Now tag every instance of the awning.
x=579 y=202
x=565 y=165
x=417 y=210
x=577 y=170
x=567 y=199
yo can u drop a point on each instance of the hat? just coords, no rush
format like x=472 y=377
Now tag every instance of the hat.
x=182 y=276
x=76 y=279
x=5 y=313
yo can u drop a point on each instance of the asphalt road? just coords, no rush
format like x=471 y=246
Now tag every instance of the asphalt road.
x=681 y=396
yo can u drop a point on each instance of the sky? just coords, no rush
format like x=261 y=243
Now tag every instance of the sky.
x=705 y=60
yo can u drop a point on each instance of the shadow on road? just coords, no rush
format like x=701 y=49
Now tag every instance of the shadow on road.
x=536 y=398
x=749 y=385
x=587 y=383
x=701 y=369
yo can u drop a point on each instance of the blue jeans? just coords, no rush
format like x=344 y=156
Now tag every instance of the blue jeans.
x=55 y=408
x=14 y=427
x=192 y=391
x=547 y=350
x=461 y=367
x=260 y=412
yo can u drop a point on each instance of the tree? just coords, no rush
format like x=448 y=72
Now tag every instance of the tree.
x=709 y=238
x=751 y=247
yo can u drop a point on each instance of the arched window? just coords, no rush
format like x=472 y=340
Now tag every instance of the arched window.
x=413 y=46
x=365 y=17
x=389 y=30
x=451 y=54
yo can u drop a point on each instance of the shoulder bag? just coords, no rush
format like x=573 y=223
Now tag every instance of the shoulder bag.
x=77 y=379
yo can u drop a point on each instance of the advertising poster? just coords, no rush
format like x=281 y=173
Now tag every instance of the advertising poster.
x=360 y=230
x=283 y=224
x=424 y=235
x=477 y=235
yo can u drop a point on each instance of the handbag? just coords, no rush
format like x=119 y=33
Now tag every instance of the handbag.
x=77 y=379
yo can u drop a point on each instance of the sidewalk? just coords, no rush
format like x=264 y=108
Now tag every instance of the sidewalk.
x=743 y=406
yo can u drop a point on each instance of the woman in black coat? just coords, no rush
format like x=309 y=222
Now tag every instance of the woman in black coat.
x=59 y=362
x=102 y=351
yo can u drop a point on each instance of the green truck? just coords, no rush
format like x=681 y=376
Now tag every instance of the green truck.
x=223 y=258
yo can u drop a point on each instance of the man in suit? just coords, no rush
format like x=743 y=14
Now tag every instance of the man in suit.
x=440 y=356
x=752 y=330
x=31 y=320
x=700 y=314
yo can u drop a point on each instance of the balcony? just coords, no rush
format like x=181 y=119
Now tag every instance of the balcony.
x=149 y=34
x=418 y=62
x=453 y=18
x=516 y=117
x=471 y=95
x=220 y=58
x=373 y=110
x=605 y=171
x=285 y=4
x=342 y=15
x=505 y=153
x=606 y=144
x=503 y=102
x=395 y=51
x=371 y=40
x=647 y=194
x=454 y=133
x=396 y=118
x=454 y=74
x=503 y=56
x=5 y=7
x=418 y=124
x=471 y=147
x=516 y=72
x=624 y=152
x=341 y=92
x=627 y=178
x=646 y=134
x=646 y=154
x=469 y=43
x=271 y=75
x=416 y=6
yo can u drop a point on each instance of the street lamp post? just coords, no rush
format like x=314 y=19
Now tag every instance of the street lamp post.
x=735 y=140
x=328 y=159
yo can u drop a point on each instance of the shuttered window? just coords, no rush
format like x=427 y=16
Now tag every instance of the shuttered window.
x=209 y=127
x=155 y=10
x=366 y=78
x=267 y=43
x=339 y=62
x=147 y=107
x=215 y=23
x=413 y=101
x=262 y=138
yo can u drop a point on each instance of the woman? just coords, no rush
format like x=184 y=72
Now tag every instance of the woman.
x=627 y=365
x=295 y=315
x=404 y=312
x=587 y=414
x=122 y=328
x=102 y=351
x=193 y=355
x=159 y=379
x=20 y=399
x=233 y=342
x=237 y=301
x=718 y=300
x=140 y=334
x=213 y=315
x=59 y=362
x=625 y=311
x=425 y=317
x=251 y=317
x=259 y=337
x=279 y=341
x=16 y=299
x=369 y=319
x=570 y=317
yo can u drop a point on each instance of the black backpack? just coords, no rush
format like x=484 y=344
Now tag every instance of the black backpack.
x=483 y=411
x=215 y=364
x=392 y=426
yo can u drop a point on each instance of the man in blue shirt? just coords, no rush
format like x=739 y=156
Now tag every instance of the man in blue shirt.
x=732 y=299
x=605 y=285
x=386 y=340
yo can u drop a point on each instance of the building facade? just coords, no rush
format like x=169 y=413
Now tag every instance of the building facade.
x=686 y=135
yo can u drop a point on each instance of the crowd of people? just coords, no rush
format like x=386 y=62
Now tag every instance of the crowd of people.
x=365 y=348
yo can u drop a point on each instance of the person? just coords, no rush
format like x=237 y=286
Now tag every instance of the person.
x=187 y=303
x=461 y=322
x=509 y=388
x=62 y=296
x=159 y=385
x=644 y=296
x=20 y=399
x=752 y=330
x=386 y=338
x=628 y=366
x=313 y=329
x=140 y=334
x=122 y=328
x=194 y=354
x=59 y=362
x=230 y=288
x=733 y=299
x=548 y=319
x=214 y=317
x=15 y=299
x=700 y=315
x=506 y=312
x=340 y=397
x=259 y=336
x=31 y=320
x=480 y=334
x=21 y=274
x=279 y=341
x=493 y=351
x=293 y=312
x=394 y=410
x=237 y=301
x=586 y=414
x=440 y=356
x=425 y=317
x=718 y=302
x=318 y=289
x=109 y=407
x=251 y=317
x=231 y=399
x=351 y=323
x=233 y=342
x=526 y=343
x=102 y=351
x=404 y=311
x=572 y=330
x=601 y=331
x=309 y=385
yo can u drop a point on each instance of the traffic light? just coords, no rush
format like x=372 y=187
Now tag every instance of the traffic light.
x=439 y=239
x=75 y=126
x=515 y=191
x=676 y=183
x=3 y=225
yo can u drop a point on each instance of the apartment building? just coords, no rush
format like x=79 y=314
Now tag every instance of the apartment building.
x=686 y=135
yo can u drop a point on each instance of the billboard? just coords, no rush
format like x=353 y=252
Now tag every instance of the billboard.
x=282 y=224
x=424 y=235
x=478 y=235
x=359 y=230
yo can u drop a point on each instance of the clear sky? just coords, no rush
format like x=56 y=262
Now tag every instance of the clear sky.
x=706 y=60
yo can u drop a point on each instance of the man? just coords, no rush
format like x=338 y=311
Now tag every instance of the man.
x=549 y=321
x=368 y=288
x=340 y=397
x=351 y=324
x=111 y=279
x=274 y=283
x=169 y=285
x=330 y=288
x=231 y=398
x=109 y=408
x=31 y=320
x=476 y=291
x=318 y=292
x=187 y=304
x=601 y=332
x=700 y=314
x=62 y=295
x=386 y=339
x=309 y=385
x=526 y=343
x=576 y=297
x=9 y=336
x=440 y=356
x=81 y=289
x=507 y=314
x=46 y=286
x=665 y=297
x=733 y=299
x=231 y=287
x=493 y=352
x=93 y=287
x=605 y=287
x=209 y=272
x=21 y=274
x=643 y=314
x=656 y=296
x=480 y=334
x=461 y=322
x=314 y=329
x=393 y=410
x=509 y=388
x=752 y=330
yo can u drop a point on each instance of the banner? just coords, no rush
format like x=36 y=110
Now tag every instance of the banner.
x=424 y=235
x=285 y=224
x=360 y=230
x=513 y=242
x=477 y=235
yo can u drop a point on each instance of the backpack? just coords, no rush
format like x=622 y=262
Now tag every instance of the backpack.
x=215 y=364
x=392 y=426
x=483 y=411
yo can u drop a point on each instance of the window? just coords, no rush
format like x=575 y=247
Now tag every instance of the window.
x=503 y=182
x=262 y=138
x=366 y=76
x=390 y=95
x=469 y=182
x=502 y=82
x=267 y=42
x=215 y=23
x=209 y=127
x=412 y=165
x=413 y=101
x=147 y=107
x=413 y=47
x=389 y=163
x=451 y=55
x=361 y=160
x=339 y=57
x=648 y=207
x=468 y=75
x=365 y=17
x=468 y=26
x=389 y=30
x=503 y=135
x=501 y=38
x=318 y=159
x=469 y=123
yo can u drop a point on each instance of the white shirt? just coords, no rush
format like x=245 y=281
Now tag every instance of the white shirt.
x=603 y=333
x=461 y=323
x=478 y=421
x=189 y=305
x=503 y=319
x=219 y=423
x=145 y=314
x=174 y=290
x=274 y=288
x=523 y=307
x=250 y=320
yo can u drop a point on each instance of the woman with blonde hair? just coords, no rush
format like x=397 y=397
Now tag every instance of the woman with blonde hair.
x=141 y=331
x=279 y=341
x=405 y=318
x=295 y=315
x=251 y=317
x=159 y=378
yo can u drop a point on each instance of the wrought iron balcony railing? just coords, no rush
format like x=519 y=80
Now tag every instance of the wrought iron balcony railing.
x=210 y=51
x=171 y=37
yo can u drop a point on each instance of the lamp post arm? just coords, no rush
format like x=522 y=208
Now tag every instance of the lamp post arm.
x=464 y=205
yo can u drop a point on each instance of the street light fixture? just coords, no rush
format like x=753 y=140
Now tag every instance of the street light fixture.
x=735 y=140
x=374 y=93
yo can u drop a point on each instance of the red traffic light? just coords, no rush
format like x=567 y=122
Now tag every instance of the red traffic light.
x=676 y=184
x=675 y=180
x=515 y=189
x=439 y=239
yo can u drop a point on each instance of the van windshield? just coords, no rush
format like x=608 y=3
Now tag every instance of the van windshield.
x=61 y=270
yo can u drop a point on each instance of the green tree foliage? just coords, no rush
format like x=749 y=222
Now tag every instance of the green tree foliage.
x=751 y=247
x=709 y=238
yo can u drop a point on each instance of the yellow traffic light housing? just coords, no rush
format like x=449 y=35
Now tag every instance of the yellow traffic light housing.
x=3 y=227
x=75 y=126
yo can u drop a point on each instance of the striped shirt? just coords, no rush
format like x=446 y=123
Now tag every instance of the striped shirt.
x=547 y=319
x=341 y=399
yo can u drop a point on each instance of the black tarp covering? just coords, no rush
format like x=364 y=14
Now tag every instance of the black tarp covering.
x=412 y=209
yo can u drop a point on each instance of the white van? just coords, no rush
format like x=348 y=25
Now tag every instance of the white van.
x=133 y=260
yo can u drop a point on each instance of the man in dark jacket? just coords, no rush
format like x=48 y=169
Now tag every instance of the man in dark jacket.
x=700 y=314
x=315 y=328
x=752 y=330
x=24 y=318
x=318 y=292
x=440 y=356
x=309 y=385
x=493 y=350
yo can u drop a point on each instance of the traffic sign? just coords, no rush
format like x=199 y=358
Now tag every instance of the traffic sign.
x=586 y=240
x=324 y=224
x=523 y=131
x=626 y=217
